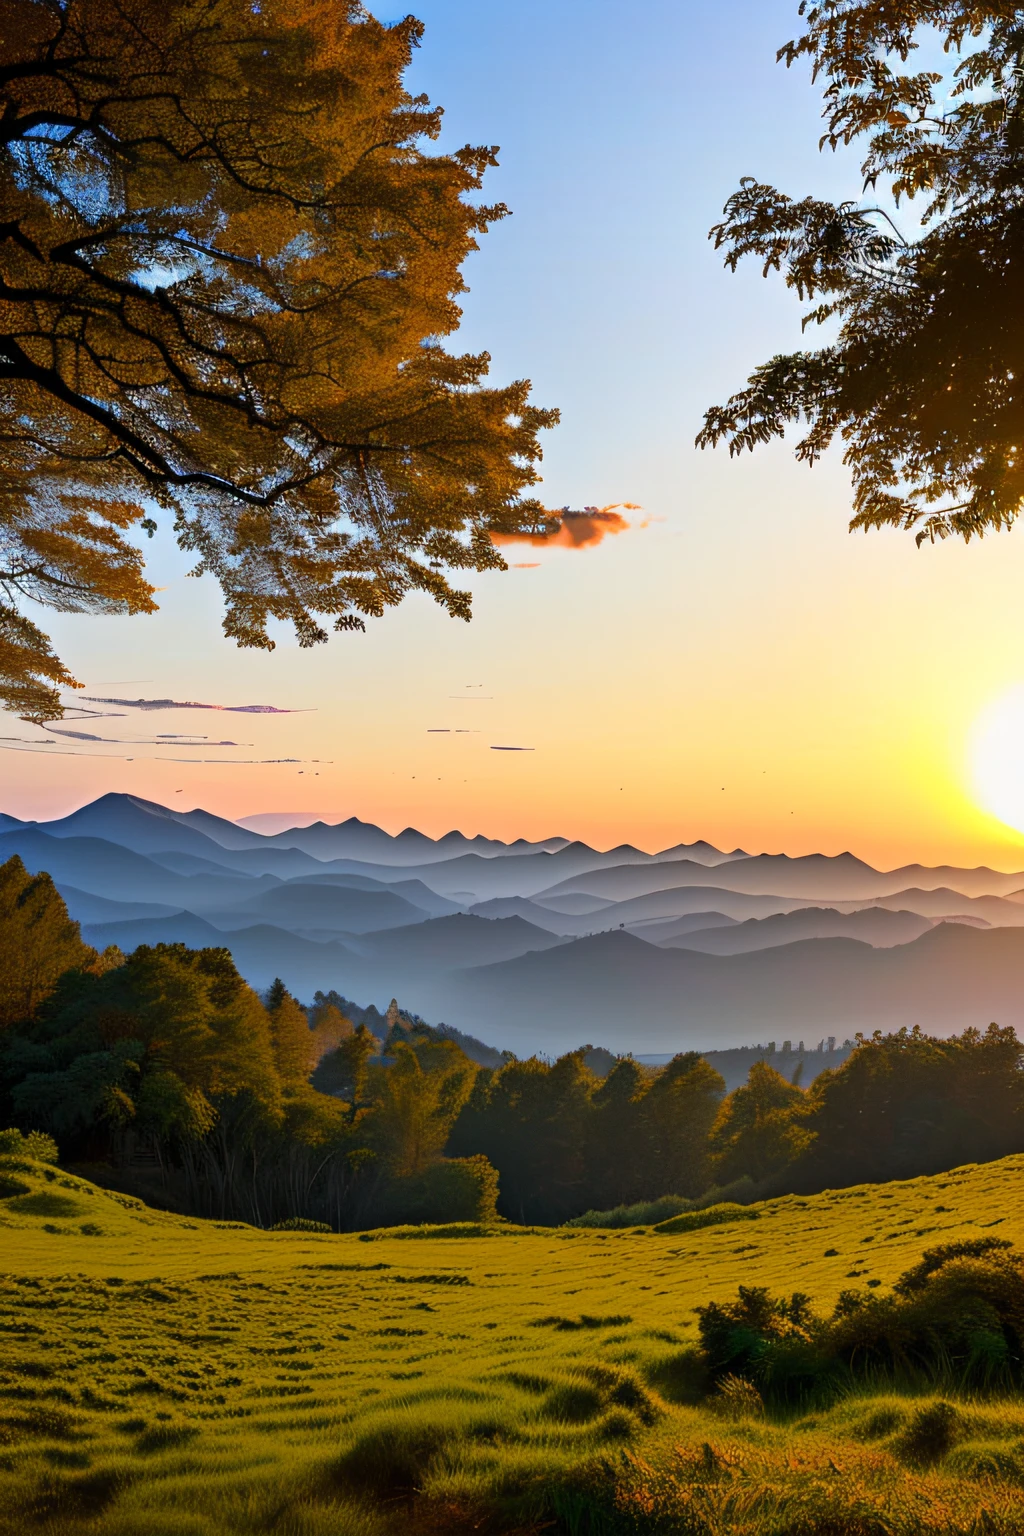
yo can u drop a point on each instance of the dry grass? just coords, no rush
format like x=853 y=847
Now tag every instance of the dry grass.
x=170 y=1377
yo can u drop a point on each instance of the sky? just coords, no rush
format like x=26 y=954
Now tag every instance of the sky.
x=742 y=668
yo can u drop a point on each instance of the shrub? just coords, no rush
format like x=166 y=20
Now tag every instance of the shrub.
x=763 y=1340
x=456 y=1189
x=645 y=1214
x=737 y=1398
x=956 y=1317
x=710 y=1216
x=932 y=1432
x=301 y=1224
x=36 y=1144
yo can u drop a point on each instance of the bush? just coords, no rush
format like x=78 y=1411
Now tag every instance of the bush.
x=932 y=1432
x=738 y=1399
x=456 y=1189
x=768 y=1343
x=36 y=1144
x=300 y=1224
x=709 y=1216
x=956 y=1318
x=645 y=1214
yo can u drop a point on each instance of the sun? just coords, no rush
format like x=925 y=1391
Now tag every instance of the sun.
x=997 y=757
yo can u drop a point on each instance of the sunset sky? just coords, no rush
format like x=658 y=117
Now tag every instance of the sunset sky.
x=741 y=668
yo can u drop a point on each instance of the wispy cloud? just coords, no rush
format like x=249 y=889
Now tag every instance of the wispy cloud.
x=234 y=709
x=158 y=741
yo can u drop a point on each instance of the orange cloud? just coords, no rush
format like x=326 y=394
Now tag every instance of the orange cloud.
x=576 y=530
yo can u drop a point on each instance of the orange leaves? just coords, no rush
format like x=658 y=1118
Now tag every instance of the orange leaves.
x=29 y=669
x=223 y=291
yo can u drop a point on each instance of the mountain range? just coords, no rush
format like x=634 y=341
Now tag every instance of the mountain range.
x=541 y=945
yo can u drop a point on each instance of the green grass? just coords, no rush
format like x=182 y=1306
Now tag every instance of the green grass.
x=161 y=1376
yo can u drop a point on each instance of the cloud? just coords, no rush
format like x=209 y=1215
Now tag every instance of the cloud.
x=576 y=530
x=159 y=741
x=526 y=565
x=28 y=744
x=235 y=709
x=513 y=749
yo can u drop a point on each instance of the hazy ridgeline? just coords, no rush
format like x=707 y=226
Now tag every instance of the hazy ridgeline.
x=164 y=1073
x=539 y=947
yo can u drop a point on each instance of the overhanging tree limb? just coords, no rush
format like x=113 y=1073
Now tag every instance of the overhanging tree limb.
x=225 y=261
x=922 y=384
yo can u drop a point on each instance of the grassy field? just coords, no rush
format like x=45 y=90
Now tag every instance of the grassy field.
x=161 y=1376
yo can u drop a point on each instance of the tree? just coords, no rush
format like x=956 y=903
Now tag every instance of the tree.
x=922 y=380
x=416 y=1099
x=344 y=1071
x=38 y=941
x=907 y=1104
x=329 y=1025
x=292 y=1042
x=679 y=1112
x=530 y=1120
x=618 y=1167
x=172 y=1042
x=226 y=263
x=758 y=1131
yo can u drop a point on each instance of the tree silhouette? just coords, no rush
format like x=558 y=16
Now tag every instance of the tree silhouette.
x=922 y=381
x=226 y=263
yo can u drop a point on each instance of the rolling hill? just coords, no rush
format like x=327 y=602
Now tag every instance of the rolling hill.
x=261 y=951
x=561 y=942
x=222 y=1380
x=446 y=943
x=105 y=869
x=328 y=907
x=626 y=994
x=873 y=925
x=813 y=876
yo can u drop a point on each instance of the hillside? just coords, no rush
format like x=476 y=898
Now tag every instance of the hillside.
x=636 y=996
x=457 y=941
x=297 y=905
x=812 y=876
x=666 y=950
x=873 y=925
x=213 y=1379
x=261 y=951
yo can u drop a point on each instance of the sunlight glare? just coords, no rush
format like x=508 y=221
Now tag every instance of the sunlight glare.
x=997 y=757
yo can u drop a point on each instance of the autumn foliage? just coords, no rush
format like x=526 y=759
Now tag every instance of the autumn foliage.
x=227 y=264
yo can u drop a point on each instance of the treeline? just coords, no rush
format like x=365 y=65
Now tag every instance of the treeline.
x=901 y=1105
x=169 y=1070
x=166 y=1069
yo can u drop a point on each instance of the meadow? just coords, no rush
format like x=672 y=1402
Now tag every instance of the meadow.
x=168 y=1376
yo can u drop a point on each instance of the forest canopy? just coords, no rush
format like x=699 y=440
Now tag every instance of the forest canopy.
x=228 y=261
x=169 y=1074
x=921 y=282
